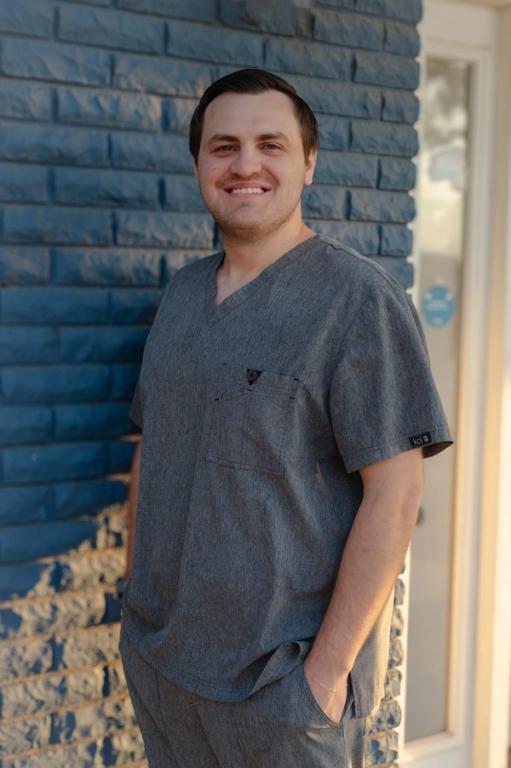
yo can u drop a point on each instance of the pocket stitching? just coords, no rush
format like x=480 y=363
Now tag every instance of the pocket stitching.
x=310 y=695
x=269 y=389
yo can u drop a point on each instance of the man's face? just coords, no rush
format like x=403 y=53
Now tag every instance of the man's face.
x=251 y=167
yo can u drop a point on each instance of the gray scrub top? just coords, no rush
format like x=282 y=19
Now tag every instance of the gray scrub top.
x=256 y=415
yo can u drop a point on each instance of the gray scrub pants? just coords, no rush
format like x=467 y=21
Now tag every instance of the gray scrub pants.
x=279 y=726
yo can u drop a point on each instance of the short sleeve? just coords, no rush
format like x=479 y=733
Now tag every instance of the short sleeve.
x=383 y=399
x=135 y=411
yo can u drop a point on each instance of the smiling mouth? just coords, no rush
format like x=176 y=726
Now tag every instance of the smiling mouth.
x=247 y=191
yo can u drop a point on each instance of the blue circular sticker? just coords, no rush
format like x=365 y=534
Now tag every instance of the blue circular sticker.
x=438 y=305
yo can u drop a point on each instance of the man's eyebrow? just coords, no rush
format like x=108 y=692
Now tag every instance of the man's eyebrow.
x=262 y=137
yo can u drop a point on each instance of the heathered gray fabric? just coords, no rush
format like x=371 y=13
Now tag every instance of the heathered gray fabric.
x=249 y=483
x=279 y=726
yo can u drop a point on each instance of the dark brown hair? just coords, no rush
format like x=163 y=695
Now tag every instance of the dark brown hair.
x=254 y=81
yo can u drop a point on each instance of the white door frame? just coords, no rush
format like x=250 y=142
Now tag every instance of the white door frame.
x=481 y=642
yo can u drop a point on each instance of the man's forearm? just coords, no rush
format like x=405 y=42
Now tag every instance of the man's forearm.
x=372 y=559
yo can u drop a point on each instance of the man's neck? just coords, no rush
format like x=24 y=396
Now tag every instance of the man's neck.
x=247 y=258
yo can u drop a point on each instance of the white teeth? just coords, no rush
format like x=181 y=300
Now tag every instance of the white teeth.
x=247 y=191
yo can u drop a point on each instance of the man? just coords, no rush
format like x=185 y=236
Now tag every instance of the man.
x=286 y=403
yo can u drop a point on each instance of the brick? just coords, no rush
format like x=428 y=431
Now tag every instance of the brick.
x=124 y=378
x=25 y=101
x=343 y=99
x=117 y=680
x=175 y=259
x=118 y=110
x=24 y=735
x=374 y=205
x=399 y=268
x=161 y=76
x=131 y=305
x=55 y=615
x=383 y=138
x=177 y=114
x=101 y=345
x=86 y=497
x=24 y=424
x=55 y=383
x=37 y=60
x=333 y=132
x=348 y=29
x=156 y=229
x=24 y=266
x=126 y=746
x=98 y=569
x=182 y=9
x=396 y=240
x=24 y=17
x=25 y=579
x=22 y=504
x=396 y=174
x=63 y=461
x=111 y=28
x=382 y=749
x=94 y=721
x=27 y=345
x=326 y=202
x=342 y=168
x=57 y=225
x=107 y=267
x=19 y=544
x=53 y=690
x=24 y=658
x=95 y=645
x=84 y=422
x=307 y=58
x=209 y=43
x=364 y=237
x=25 y=184
x=182 y=194
x=110 y=188
x=81 y=755
x=387 y=716
x=386 y=69
x=400 y=107
x=120 y=455
x=54 y=144
x=401 y=38
x=407 y=10
x=283 y=19
x=54 y=306
x=152 y=153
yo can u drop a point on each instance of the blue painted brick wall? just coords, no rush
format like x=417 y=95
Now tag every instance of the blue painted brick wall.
x=98 y=208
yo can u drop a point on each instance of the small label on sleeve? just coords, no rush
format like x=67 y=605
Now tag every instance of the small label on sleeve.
x=423 y=438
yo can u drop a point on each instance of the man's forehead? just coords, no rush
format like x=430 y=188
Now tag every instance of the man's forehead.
x=251 y=115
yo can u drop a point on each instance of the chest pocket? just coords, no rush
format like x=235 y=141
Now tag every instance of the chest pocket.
x=250 y=419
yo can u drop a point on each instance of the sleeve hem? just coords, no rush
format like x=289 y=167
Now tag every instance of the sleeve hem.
x=441 y=438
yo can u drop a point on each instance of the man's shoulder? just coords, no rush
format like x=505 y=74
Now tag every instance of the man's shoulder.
x=194 y=267
x=345 y=265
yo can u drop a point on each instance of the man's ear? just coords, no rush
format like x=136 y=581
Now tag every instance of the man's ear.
x=196 y=172
x=310 y=165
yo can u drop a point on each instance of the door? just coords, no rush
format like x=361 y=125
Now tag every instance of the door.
x=451 y=239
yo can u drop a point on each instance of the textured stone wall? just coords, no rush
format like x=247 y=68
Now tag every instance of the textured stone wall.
x=98 y=208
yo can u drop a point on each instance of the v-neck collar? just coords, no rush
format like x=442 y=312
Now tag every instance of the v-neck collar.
x=215 y=312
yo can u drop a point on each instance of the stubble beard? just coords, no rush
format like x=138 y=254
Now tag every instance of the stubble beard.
x=255 y=230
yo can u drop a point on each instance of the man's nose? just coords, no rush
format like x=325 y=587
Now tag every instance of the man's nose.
x=246 y=162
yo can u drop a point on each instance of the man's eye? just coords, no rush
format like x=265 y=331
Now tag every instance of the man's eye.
x=272 y=146
x=225 y=146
